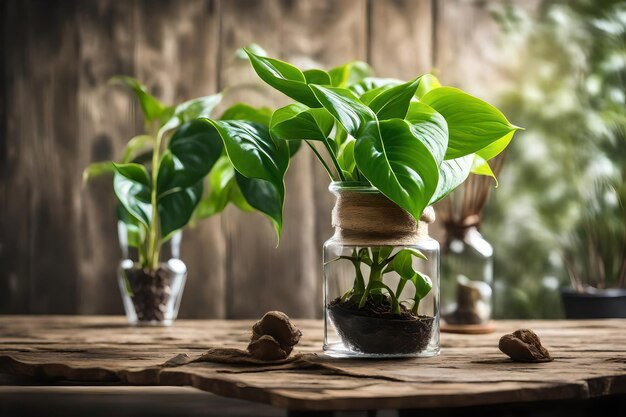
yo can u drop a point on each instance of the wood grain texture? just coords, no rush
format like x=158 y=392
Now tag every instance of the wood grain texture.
x=401 y=37
x=176 y=46
x=40 y=188
x=288 y=278
x=589 y=362
x=58 y=244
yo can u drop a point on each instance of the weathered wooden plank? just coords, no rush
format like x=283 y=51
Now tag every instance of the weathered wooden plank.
x=589 y=361
x=41 y=174
x=289 y=277
x=401 y=37
x=470 y=47
x=107 y=120
x=176 y=50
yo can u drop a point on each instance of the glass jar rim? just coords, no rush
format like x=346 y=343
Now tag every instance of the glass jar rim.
x=353 y=186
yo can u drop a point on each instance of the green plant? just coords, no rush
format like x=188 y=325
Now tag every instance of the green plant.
x=160 y=180
x=414 y=141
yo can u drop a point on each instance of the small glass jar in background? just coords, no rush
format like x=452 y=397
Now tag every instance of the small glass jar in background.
x=466 y=279
x=150 y=297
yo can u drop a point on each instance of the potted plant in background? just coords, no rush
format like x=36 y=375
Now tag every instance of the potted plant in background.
x=392 y=149
x=160 y=187
x=594 y=254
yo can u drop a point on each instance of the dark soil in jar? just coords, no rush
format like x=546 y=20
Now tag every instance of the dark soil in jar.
x=375 y=329
x=150 y=293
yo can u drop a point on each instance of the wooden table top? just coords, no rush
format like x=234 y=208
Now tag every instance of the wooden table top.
x=590 y=361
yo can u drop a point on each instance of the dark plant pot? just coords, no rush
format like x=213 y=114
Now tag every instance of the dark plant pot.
x=594 y=303
x=374 y=335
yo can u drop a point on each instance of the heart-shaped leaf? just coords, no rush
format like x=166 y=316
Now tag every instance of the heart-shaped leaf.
x=344 y=106
x=473 y=124
x=397 y=163
x=452 y=173
x=194 y=148
x=131 y=184
x=257 y=156
x=296 y=121
x=493 y=150
x=264 y=197
x=393 y=102
x=284 y=77
x=176 y=207
x=423 y=284
x=430 y=128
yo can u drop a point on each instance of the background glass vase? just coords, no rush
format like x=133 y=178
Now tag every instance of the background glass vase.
x=151 y=297
x=467 y=279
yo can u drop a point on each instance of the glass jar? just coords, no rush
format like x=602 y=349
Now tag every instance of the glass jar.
x=381 y=278
x=150 y=297
x=466 y=280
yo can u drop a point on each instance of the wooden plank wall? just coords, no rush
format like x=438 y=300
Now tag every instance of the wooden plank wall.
x=58 y=245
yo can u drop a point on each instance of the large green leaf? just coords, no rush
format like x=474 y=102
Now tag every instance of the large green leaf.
x=493 y=150
x=350 y=73
x=430 y=128
x=194 y=147
x=131 y=184
x=176 y=207
x=473 y=124
x=222 y=189
x=264 y=197
x=452 y=173
x=152 y=108
x=344 y=106
x=284 y=77
x=241 y=111
x=257 y=156
x=296 y=121
x=393 y=102
x=397 y=163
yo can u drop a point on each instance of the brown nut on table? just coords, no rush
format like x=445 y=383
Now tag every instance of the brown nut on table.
x=524 y=345
x=284 y=336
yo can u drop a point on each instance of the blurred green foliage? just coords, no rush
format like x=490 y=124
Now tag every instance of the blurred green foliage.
x=562 y=186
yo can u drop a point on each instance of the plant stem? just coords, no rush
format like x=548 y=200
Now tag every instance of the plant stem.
x=154 y=246
x=334 y=159
x=319 y=157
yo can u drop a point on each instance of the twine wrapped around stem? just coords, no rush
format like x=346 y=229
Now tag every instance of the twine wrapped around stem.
x=364 y=216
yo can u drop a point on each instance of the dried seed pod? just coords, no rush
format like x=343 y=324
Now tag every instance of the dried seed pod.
x=524 y=345
x=278 y=327
x=266 y=348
